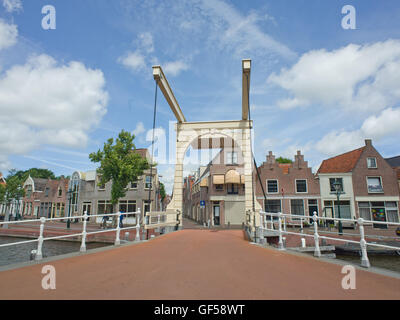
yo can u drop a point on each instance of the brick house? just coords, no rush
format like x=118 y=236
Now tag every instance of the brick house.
x=44 y=197
x=289 y=188
x=369 y=183
x=84 y=193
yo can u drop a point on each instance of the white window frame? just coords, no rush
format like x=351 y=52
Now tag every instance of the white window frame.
x=151 y=182
x=296 y=186
x=97 y=184
x=381 y=181
x=277 y=186
x=376 y=164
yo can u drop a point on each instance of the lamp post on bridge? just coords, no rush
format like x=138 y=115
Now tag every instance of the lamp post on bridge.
x=69 y=193
x=338 y=191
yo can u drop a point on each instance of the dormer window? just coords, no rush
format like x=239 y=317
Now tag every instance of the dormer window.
x=59 y=191
x=371 y=162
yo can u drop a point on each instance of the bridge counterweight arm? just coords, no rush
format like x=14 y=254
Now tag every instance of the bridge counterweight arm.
x=162 y=82
x=246 y=67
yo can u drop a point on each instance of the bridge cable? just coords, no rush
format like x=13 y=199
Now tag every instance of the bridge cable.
x=152 y=153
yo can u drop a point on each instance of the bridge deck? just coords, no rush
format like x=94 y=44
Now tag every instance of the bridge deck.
x=194 y=264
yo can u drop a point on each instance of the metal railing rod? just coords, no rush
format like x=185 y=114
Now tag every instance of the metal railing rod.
x=16 y=243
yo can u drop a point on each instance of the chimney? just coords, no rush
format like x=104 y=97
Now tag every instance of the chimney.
x=368 y=142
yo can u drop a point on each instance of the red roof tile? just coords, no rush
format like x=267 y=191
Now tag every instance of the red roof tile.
x=341 y=163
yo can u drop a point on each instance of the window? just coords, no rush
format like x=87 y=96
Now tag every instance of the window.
x=231 y=158
x=28 y=191
x=134 y=185
x=233 y=188
x=127 y=206
x=59 y=191
x=345 y=211
x=273 y=206
x=374 y=184
x=332 y=181
x=297 y=207
x=219 y=187
x=371 y=162
x=392 y=212
x=46 y=192
x=104 y=206
x=148 y=182
x=301 y=186
x=364 y=210
x=272 y=186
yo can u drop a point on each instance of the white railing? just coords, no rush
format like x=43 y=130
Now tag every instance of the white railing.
x=267 y=220
x=84 y=232
x=162 y=219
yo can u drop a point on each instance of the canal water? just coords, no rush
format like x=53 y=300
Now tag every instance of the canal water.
x=21 y=252
x=390 y=262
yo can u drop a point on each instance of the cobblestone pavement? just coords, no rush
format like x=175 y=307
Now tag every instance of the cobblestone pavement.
x=195 y=264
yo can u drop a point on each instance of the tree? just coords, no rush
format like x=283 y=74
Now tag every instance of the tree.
x=283 y=160
x=34 y=173
x=120 y=164
x=13 y=189
x=162 y=191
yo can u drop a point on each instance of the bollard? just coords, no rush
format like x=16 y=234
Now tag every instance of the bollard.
x=317 y=251
x=83 y=244
x=117 y=240
x=126 y=236
x=280 y=244
x=363 y=244
x=303 y=242
x=39 y=254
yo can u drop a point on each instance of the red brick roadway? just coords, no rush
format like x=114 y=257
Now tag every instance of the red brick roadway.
x=195 y=264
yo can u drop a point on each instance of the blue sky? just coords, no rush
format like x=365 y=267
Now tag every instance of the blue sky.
x=315 y=86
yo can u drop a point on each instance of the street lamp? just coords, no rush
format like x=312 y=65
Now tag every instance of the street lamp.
x=69 y=192
x=338 y=192
x=17 y=215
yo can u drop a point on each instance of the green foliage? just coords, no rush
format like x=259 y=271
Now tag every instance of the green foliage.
x=34 y=173
x=283 y=160
x=2 y=193
x=119 y=164
x=13 y=188
x=162 y=191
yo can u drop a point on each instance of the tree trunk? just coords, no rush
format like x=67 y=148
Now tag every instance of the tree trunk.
x=115 y=218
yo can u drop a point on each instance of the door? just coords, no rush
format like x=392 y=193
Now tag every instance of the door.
x=87 y=207
x=216 y=214
x=312 y=207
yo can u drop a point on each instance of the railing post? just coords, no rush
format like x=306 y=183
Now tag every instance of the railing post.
x=317 y=251
x=39 y=254
x=301 y=224
x=83 y=244
x=280 y=244
x=272 y=222
x=117 y=240
x=363 y=244
x=137 y=238
x=284 y=223
x=158 y=219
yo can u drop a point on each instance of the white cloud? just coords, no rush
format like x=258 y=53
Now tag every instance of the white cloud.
x=12 y=5
x=374 y=127
x=241 y=33
x=139 y=129
x=43 y=102
x=146 y=42
x=175 y=67
x=356 y=77
x=134 y=61
x=8 y=34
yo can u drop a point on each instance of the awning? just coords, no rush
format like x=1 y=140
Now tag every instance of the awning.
x=232 y=176
x=204 y=182
x=218 y=179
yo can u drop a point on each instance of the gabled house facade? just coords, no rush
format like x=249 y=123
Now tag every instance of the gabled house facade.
x=369 y=185
x=290 y=188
